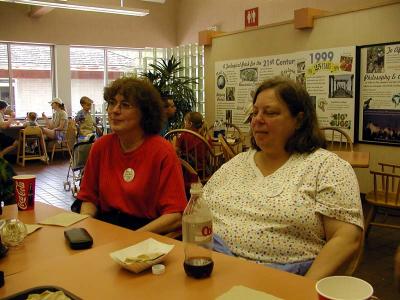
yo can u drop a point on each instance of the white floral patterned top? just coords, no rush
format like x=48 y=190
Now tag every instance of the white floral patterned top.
x=278 y=218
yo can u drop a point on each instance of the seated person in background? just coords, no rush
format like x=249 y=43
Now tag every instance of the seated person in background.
x=186 y=142
x=31 y=119
x=169 y=112
x=55 y=129
x=31 y=145
x=87 y=126
x=287 y=203
x=7 y=143
x=133 y=177
x=6 y=182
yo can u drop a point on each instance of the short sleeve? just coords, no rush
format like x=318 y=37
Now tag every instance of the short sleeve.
x=338 y=194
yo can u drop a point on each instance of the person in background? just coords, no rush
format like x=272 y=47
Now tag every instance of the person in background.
x=55 y=128
x=169 y=112
x=31 y=119
x=133 y=177
x=87 y=126
x=287 y=203
x=7 y=143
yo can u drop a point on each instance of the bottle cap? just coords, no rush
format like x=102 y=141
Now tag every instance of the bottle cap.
x=158 y=269
x=196 y=188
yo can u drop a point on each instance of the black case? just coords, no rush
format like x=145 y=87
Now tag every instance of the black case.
x=78 y=238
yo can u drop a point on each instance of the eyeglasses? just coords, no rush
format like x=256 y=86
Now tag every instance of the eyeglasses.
x=123 y=105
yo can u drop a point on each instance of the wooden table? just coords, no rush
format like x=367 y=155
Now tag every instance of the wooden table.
x=357 y=159
x=45 y=259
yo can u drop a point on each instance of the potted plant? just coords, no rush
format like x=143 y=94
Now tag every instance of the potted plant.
x=165 y=77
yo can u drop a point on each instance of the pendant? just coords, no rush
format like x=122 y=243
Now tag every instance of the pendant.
x=128 y=175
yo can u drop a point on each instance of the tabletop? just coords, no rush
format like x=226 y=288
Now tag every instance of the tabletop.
x=357 y=159
x=45 y=259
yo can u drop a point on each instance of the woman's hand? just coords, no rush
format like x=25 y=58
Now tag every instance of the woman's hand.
x=88 y=208
x=164 y=224
x=343 y=240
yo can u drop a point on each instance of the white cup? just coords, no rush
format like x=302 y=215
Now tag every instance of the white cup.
x=343 y=288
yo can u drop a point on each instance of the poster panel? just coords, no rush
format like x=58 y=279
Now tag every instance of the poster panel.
x=380 y=94
x=328 y=76
x=237 y=80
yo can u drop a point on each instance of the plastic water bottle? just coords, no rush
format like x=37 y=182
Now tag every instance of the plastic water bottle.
x=216 y=129
x=222 y=127
x=197 y=235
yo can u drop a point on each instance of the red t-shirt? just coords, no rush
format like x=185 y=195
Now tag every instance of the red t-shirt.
x=156 y=188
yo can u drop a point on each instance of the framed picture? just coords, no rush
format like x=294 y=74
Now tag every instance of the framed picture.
x=379 y=93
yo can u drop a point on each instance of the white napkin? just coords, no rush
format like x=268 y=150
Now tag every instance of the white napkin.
x=240 y=292
x=130 y=258
x=63 y=219
x=32 y=227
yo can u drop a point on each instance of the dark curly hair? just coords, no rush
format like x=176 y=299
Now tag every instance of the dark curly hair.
x=307 y=137
x=142 y=94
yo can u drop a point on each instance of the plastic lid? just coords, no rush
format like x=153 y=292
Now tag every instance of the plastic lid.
x=158 y=269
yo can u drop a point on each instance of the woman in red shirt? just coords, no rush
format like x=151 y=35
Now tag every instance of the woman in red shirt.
x=133 y=177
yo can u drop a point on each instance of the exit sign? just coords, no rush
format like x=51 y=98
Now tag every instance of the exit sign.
x=251 y=17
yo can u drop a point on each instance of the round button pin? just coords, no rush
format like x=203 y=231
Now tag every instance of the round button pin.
x=129 y=174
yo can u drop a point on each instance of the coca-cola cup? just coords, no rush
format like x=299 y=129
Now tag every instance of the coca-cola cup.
x=24 y=188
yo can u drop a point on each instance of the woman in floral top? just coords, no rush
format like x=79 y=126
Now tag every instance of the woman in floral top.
x=287 y=202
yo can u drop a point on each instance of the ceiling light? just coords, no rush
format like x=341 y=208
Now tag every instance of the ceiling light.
x=84 y=7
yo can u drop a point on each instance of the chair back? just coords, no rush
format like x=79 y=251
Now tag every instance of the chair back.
x=195 y=149
x=33 y=130
x=232 y=134
x=228 y=152
x=337 y=139
x=386 y=189
x=389 y=168
x=65 y=139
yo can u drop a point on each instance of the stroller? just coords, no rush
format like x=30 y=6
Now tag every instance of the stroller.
x=80 y=154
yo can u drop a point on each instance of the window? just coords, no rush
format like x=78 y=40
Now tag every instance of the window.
x=192 y=59
x=4 y=74
x=87 y=76
x=92 y=67
x=29 y=69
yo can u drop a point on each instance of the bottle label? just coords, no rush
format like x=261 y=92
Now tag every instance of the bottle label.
x=198 y=232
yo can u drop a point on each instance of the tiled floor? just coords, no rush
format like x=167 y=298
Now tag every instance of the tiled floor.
x=376 y=266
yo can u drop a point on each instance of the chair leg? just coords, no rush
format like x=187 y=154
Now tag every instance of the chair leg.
x=370 y=217
x=52 y=152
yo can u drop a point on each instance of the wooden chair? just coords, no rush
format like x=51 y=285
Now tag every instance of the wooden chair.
x=195 y=149
x=233 y=136
x=66 y=142
x=386 y=194
x=337 y=139
x=28 y=136
x=227 y=150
